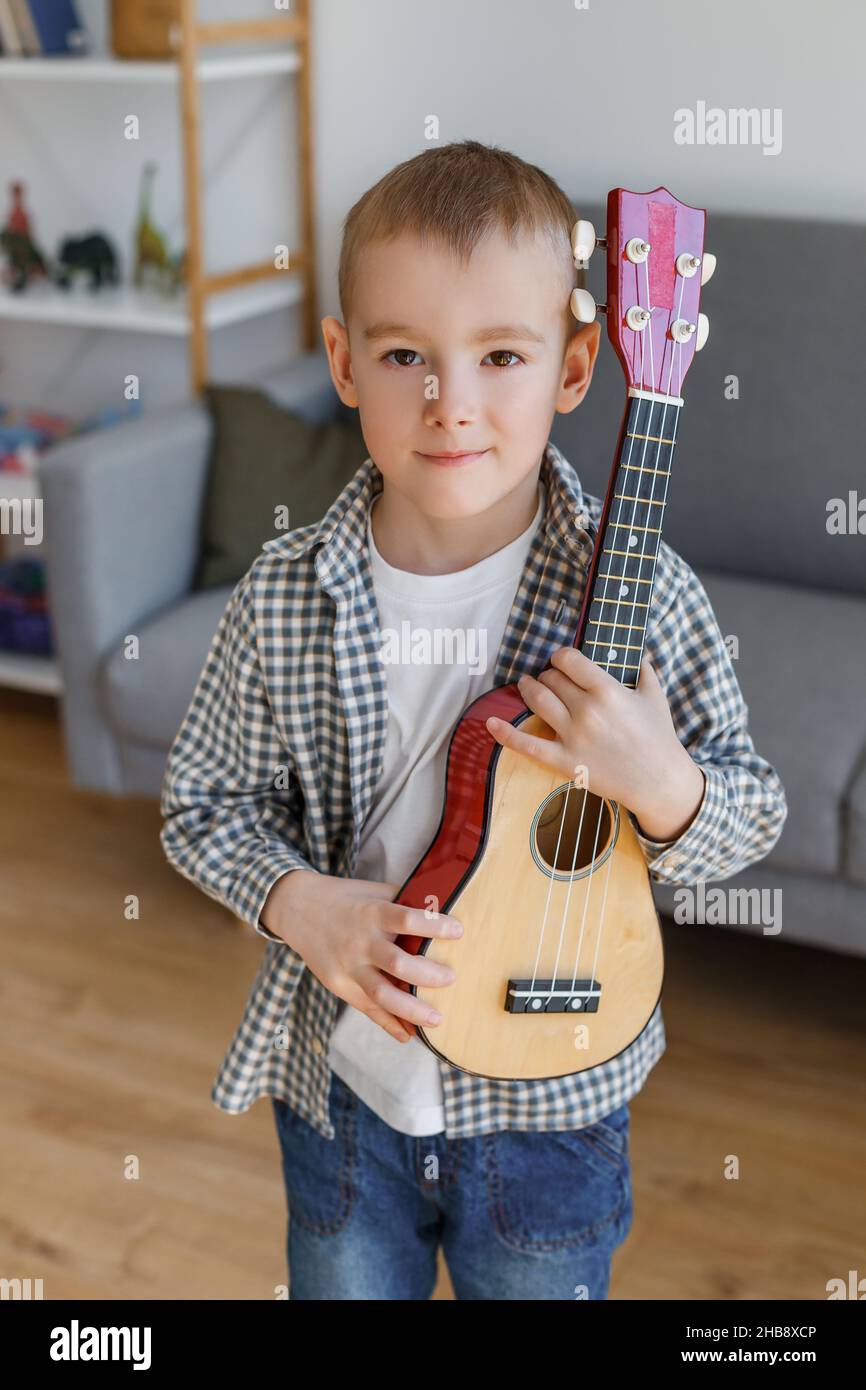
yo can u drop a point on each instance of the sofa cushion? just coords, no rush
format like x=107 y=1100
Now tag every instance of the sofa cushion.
x=802 y=670
x=146 y=699
x=263 y=457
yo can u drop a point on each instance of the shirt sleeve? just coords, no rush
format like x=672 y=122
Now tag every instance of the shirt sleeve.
x=743 y=809
x=230 y=799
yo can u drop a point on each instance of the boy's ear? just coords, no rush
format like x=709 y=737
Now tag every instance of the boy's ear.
x=578 y=364
x=339 y=359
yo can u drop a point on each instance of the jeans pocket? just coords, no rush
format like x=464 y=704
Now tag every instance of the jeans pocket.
x=608 y=1138
x=319 y=1173
x=552 y=1190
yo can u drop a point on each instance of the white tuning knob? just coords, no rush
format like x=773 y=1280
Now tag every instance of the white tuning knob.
x=637 y=318
x=708 y=265
x=687 y=264
x=583 y=241
x=703 y=331
x=681 y=330
x=583 y=306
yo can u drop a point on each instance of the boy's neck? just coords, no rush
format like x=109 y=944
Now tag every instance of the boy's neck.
x=408 y=539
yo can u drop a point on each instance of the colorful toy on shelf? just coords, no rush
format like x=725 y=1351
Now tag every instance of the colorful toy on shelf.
x=25 y=624
x=92 y=254
x=24 y=434
x=25 y=261
x=153 y=261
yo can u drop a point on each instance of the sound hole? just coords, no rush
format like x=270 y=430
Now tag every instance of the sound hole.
x=578 y=822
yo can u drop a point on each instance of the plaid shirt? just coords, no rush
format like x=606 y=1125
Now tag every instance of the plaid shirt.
x=276 y=763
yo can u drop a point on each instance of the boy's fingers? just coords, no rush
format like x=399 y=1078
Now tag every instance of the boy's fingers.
x=413 y=921
x=390 y=1024
x=542 y=750
x=550 y=701
x=648 y=671
x=359 y=999
x=649 y=683
x=417 y=970
x=580 y=668
x=381 y=994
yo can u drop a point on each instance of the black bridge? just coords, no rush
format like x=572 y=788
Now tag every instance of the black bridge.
x=561 y=996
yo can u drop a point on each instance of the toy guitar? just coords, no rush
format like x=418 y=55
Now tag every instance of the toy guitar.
x=548 y=879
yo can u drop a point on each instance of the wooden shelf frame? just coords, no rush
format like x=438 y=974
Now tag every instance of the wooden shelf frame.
x=201 y=285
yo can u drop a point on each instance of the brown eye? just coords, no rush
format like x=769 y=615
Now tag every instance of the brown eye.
x=503 y=352
x=407 y=352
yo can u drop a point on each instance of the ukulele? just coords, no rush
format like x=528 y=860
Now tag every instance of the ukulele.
x=548 y=879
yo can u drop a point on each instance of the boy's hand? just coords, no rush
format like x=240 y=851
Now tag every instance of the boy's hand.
x=623 y=738
x=345 y=928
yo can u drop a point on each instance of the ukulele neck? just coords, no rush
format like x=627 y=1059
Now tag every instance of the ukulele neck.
x=616 y=608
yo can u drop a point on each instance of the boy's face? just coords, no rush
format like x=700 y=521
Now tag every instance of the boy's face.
x=429 y=377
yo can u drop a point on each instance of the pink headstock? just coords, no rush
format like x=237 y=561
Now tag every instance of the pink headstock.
x=655 y=267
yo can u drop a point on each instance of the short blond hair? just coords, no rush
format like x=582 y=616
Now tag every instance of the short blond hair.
x=455 y=194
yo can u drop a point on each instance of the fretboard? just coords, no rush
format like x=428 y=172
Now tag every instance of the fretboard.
x=614 y=616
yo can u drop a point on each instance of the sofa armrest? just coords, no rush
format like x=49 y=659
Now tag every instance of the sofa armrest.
x=121 y=526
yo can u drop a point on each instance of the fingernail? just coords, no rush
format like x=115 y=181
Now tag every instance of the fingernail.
x=434 y=1018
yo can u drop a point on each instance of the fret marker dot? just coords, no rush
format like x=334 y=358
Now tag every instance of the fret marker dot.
x=623 y=589
x=612 y=654
x=632 y=540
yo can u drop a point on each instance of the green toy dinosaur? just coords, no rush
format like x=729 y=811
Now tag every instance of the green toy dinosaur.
x=151 y=250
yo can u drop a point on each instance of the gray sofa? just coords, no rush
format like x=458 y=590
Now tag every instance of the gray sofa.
x=748 y=508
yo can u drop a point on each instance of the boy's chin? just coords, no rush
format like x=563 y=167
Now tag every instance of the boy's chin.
x=456 y=501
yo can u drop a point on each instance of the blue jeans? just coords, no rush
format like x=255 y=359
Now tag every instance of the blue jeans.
x=519 y=1214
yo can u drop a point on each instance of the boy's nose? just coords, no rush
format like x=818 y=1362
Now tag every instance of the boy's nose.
x=449 y=416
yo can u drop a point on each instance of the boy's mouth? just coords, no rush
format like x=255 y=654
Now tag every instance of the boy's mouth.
x=452 y=460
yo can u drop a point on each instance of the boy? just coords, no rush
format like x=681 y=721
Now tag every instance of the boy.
x=307 y=777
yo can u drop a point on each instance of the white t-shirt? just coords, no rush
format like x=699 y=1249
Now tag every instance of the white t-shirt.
x=432 y=679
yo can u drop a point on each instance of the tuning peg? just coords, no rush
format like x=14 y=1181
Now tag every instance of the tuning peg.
x=703 y=331
x=583 y=306
x=583 y=241
x=637 y=318
x=681 y=330
x=637 y=250
x=708 y=265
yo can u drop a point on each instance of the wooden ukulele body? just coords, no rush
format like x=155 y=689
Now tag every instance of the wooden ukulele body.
x=517 y=880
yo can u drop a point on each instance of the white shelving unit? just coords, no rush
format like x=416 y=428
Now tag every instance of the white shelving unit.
x=127 y=309
x=40 y=674
x=206 y=301
x=106 y=68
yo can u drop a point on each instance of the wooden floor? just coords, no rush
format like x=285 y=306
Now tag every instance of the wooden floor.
x=112 y=1031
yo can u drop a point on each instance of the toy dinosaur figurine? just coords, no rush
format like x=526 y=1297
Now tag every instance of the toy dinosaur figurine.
x=93 y=255
x=25 y=260
x=151 y=249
